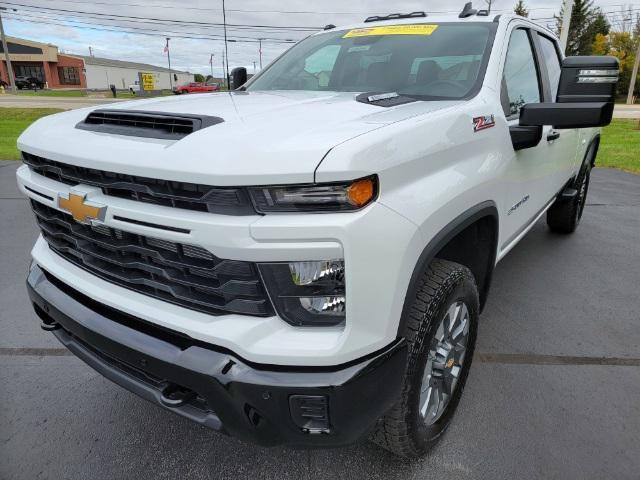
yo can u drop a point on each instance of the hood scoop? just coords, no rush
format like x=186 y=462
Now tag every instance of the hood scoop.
x=137 y=123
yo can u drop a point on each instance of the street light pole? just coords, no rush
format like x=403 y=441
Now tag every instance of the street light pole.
x=5 y=48
x=260 y=51
x=211 y=64
x=169 y=60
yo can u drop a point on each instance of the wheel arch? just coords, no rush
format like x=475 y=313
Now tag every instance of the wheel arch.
x=448 y=240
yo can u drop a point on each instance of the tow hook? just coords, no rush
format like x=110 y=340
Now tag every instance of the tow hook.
x=173 y=395
x=47 y=323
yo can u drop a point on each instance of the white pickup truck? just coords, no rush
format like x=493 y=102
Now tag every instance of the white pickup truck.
x=304 y=260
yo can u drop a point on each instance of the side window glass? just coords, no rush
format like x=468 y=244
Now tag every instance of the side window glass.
x=520 y=78
x=552 y=61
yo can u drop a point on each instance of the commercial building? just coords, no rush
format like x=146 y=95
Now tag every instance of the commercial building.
x=43 y=61
x=102 y=72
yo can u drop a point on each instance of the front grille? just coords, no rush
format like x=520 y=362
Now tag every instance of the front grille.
x=190 y=196
x=186 y=275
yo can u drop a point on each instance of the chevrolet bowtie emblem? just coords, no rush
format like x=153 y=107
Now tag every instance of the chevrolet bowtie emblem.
x=80 y=210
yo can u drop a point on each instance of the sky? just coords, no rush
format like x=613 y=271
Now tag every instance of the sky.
x=108 y=27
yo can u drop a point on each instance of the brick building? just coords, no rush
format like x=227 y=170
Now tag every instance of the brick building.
x=43 y=61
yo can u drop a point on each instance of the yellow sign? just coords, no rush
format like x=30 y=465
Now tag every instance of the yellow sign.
x=79 y=210
x=392 y=30
x=148 y=81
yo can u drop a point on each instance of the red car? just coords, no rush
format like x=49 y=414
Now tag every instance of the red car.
x=196 y=87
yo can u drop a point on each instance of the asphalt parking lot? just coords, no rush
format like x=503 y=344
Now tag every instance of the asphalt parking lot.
x=554 y=390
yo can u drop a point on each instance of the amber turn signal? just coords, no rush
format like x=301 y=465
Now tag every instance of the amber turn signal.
x=361 y=192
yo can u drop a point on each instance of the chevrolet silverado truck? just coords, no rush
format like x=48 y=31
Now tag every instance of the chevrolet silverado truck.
x=303 y=261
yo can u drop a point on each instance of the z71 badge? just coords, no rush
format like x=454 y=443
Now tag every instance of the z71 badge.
x=483 y=122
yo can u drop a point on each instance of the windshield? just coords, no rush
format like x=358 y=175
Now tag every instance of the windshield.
x=440 y=61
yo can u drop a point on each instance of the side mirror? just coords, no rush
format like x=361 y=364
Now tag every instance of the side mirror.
x=238 y=77
x=586 y=95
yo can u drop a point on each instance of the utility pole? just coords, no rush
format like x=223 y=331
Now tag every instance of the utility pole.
x=566 y=23
x=5 y=48
x=254 y=68
x=226 y=47
x=260 y=51
x=166 y=49
x=224 y=82
x=634 y=75
x=90 y=51
x=211 y=64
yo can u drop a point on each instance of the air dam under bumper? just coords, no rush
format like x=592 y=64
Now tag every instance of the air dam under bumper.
x=214 y=387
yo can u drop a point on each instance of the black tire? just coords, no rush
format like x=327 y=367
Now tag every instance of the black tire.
x=565 y=217
x=403 y=430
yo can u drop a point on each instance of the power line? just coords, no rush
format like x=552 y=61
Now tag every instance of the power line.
x=125 y=17
x=148 y=32
x=65 y=17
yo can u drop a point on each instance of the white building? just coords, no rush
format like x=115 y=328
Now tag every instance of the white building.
x=102 y=72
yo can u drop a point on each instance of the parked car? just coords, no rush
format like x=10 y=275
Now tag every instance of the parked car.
x=196 y=87
x=135 y=87
x=28 y=83
x=304 y=261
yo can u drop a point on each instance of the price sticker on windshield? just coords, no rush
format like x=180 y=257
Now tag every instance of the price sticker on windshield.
x=392 y=30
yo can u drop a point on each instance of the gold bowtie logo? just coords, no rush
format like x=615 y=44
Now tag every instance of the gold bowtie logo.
x=80 y=210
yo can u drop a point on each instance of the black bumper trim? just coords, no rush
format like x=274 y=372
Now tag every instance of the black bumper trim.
x=230 y=395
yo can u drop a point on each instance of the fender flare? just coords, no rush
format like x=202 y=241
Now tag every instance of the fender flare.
x=462 y=221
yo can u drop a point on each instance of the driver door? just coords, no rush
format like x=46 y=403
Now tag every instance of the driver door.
x=533 y=175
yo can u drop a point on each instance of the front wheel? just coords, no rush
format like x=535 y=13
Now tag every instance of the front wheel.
x=441 y=334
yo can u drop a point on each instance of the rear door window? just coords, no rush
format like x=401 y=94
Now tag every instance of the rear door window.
x=552 y=61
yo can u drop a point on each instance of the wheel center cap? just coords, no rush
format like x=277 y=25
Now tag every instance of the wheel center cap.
x=450 y=363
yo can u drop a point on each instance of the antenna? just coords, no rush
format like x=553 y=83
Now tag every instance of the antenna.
x=467 y=11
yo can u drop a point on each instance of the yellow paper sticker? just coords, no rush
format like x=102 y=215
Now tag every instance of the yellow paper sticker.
x=392 y=30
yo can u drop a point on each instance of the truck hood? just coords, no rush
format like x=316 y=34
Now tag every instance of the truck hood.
x=266 y=137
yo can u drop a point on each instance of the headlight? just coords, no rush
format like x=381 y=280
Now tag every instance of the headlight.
x=324 y=197
x=307 y=293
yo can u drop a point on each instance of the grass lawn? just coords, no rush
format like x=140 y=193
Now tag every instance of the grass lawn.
x=53 y=93
x=12 y=122
x=620 y=146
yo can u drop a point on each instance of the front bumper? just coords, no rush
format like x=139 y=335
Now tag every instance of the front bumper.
x=217 y=388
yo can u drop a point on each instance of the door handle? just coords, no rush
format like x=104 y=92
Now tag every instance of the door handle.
x=553 y=135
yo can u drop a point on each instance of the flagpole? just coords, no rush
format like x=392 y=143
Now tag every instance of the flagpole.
x=169 y=60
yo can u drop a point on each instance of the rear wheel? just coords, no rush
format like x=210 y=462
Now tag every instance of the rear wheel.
x=441 y=333
x=565 y=217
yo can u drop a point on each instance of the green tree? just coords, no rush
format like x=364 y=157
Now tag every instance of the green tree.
x=521 y=9
x=623 y=46
x=198 y=77
x=586 y=23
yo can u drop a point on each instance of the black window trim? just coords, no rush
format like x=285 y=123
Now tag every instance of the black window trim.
x=543 y=87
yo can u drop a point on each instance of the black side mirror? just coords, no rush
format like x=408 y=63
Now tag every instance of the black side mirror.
x=525 y=136
x=238 y=77
x=586 y=95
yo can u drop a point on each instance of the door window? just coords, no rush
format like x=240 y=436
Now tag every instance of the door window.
x=552 y=61
x=520 y=83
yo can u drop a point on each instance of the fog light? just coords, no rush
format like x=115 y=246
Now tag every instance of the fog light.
x=309 y=293
x=324 y=305
x=306 y=273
